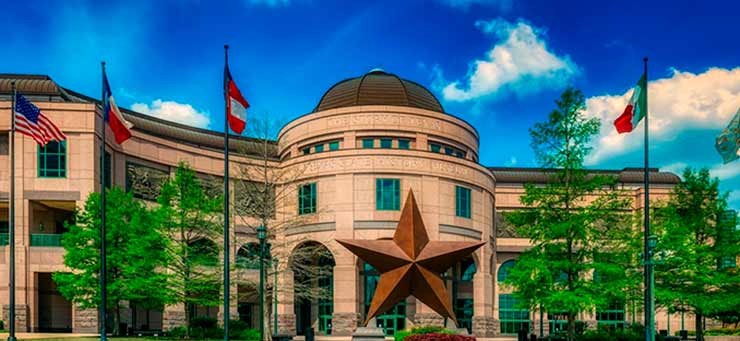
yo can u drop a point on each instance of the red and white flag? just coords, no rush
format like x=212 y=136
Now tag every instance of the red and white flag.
x=120 y=127
x=236 y=104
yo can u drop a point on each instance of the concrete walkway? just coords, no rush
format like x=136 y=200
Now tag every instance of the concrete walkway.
x=31 y=336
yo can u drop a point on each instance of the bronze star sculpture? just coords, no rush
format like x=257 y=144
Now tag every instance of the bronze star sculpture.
x=410 y=264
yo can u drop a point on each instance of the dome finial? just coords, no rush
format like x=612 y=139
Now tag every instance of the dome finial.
x=377 y=70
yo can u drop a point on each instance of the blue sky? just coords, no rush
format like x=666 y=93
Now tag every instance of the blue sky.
x=499 y=64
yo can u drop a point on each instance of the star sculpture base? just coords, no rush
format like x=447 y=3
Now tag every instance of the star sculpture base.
x=410 y=264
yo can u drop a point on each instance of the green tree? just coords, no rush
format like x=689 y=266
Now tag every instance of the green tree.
x=575 y=222
x=135 y=256
x=192 y=221
x=694 y=245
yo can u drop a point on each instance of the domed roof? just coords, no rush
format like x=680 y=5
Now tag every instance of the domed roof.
x=378 y=87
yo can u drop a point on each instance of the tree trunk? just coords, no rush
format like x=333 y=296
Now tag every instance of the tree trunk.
x=571 y=326
x=187 y=321
x=699 y=325
x=117 y=320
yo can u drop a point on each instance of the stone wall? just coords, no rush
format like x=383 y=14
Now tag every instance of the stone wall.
x=85 y=320
x=172 y=318
x=344 y=324
x=484 y=326
x=21 y=317
x=428 y=319
x=286 y=324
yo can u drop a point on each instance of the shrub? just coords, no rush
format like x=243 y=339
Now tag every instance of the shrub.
x=176 y=333
x=439 y=337
x=250 y=335
x=205 y=328
x=401 y=335
x=723 y=331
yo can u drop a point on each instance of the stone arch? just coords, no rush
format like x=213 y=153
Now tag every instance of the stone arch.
x=312 y=266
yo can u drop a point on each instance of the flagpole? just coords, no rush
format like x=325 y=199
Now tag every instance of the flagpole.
x=11 y=236
x=649 y=305
x=103 y=271
x=226 y=201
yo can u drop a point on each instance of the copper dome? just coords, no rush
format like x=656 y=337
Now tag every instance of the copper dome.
x=378 y=87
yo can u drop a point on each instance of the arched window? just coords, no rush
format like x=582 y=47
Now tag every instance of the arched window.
x=248 y=256
x=503 y=270
x=203 y=252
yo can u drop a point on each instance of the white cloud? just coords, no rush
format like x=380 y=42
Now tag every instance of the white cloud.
x=268 y=3
x=175 y=112
x=725 y=171
x=512 y=162
x=502 y=5
x=520 y=62
x=680 y=102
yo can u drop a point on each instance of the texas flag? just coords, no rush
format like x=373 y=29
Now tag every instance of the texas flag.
x=236 y=104
x=120 y=127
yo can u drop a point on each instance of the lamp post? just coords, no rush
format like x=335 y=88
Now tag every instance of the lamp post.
x=652 y=242
x=262 y=236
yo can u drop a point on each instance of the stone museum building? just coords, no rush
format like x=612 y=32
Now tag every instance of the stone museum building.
x=369 y=140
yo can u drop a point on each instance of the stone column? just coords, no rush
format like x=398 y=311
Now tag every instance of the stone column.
x=483 y=319
x=286 y=311
x=345 y=318
x=173 y=316
x=84 y=320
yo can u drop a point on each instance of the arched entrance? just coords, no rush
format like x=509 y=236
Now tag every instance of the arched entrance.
x=247 y=265
x=313 y=281
x=392 y=320
x=512 y=318
x=463 y=291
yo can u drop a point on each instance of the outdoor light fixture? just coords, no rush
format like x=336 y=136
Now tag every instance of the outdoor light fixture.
x=261 y=233
x=652 y=242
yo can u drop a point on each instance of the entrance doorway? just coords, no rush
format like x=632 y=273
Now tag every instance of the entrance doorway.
x=54 y=311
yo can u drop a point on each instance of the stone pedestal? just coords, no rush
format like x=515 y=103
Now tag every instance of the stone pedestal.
x=344 y=324
x=286 y=324
x=172 y=317
x=85 y=321
x=428 y=319
x=484 y=326
x=369 y=333
x=21 y=317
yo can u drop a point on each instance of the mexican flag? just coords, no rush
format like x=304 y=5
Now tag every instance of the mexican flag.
x=635 y=110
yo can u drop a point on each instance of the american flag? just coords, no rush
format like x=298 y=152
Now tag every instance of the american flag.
x=30 y=121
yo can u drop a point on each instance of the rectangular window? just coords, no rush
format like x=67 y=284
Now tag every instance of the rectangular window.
x=334 y=145
x=4 y=237
x=404 y=144
x=307 y=198
x=107 y=174
x=460 y=154
x=53 y=160
x=306 y=150
x=4 y=144
x=434 y=147
x=513 y=318
x=449 y=151
x=462 y=202
x=368 y=143
x=319 y=148
x=388 y=194
x=386 y=143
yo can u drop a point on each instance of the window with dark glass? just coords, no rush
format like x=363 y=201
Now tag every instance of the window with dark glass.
x=449 y=151
x=404 y=144
x=319 y=148
x=434 y=147
x=307 y=198
x=386 y=143
x=462 y=202
x=334 y=145
x=306 y=150
x=368 y=143
x=53 y=160
x=388 y=194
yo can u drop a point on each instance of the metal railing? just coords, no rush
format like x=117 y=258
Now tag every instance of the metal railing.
x=46 y=240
